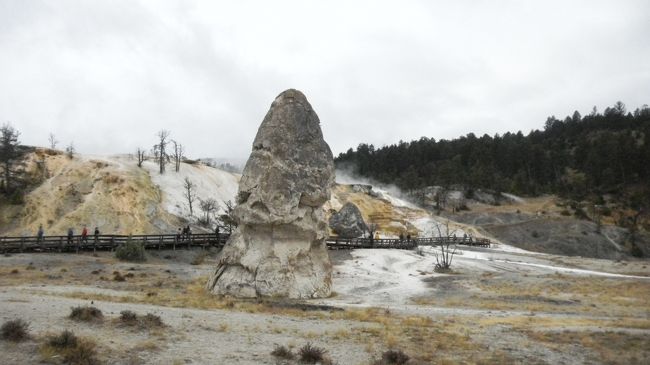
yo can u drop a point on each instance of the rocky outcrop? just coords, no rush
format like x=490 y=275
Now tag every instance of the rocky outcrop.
x=278 y=248
x=348 y=222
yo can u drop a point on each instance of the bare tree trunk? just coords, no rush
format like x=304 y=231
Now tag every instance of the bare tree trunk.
x=162 y=144
x=141 y=156
x=178 y=155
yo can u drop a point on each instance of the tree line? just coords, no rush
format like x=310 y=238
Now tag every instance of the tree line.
x=574 y=157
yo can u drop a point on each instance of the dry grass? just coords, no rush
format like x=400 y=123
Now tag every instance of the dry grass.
x=67 y=348
x=606 y=347
x=552 y=294
x=282 y=352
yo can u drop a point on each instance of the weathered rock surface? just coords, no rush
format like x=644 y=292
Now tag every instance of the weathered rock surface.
x=348 y=222
x=279 y=246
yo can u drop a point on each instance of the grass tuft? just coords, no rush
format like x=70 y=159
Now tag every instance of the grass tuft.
x=71 y=349
x=311 y=354
x=282 y=352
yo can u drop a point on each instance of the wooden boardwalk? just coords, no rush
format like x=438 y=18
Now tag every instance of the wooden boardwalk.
x=172 y=241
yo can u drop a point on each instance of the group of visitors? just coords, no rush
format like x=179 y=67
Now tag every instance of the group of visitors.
x=84 y=234
x=184 y=234
x=408 y=237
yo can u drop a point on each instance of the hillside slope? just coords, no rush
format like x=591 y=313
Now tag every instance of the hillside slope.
x=111 y=193
x=117 y=196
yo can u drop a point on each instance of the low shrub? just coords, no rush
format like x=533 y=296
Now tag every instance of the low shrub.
x=199 y=258
x=535 y=234
x=282 y=352
x=393 y=357
x=86 y=314
x=147 y=321
x=311 y=354
x=128 y=317
x=565 y=212
x=64 y=340
x=72 y=350
x=131 y=251
x=118 y=277
x=15 y=330
x=151 y=320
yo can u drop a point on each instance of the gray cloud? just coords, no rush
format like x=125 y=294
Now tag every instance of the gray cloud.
x=108 y=75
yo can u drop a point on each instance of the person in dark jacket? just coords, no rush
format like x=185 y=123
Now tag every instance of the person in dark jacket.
x=70 y=234
x=96 y=234
x=40 y=233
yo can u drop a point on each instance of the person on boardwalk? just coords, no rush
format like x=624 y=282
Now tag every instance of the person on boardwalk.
x=40 y=233
x=84 y=234
x=70 y=234
x=408 y=238
x=189 y=232
x=179 y=234
x=96 y=234
x=216 y=232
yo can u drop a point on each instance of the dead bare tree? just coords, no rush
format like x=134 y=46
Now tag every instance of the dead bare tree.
x=177 y=155
x=208 y=206
x=161 y=149
x=52 y=141
x=371 y=229
x=190 y=194
x=142 y=156
x=70 y=150
x=448 y=248
x=228 y=217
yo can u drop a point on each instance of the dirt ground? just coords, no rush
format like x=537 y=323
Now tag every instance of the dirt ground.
x=498 y=306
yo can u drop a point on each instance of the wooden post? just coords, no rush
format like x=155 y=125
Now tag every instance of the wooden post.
x=22 y=244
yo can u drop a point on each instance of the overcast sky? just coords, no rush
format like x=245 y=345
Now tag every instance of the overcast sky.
x=109 y=74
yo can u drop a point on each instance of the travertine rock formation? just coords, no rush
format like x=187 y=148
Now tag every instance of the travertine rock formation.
x=348 y=222
x=279 y=249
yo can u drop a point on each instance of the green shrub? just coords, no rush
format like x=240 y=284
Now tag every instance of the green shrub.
x=131 y=251
x=15 y=330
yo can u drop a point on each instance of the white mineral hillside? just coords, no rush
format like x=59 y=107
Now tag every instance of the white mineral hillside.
x=114 y=194
x=209 y=182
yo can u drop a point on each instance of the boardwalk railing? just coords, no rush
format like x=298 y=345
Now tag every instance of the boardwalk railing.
x=167 y=241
